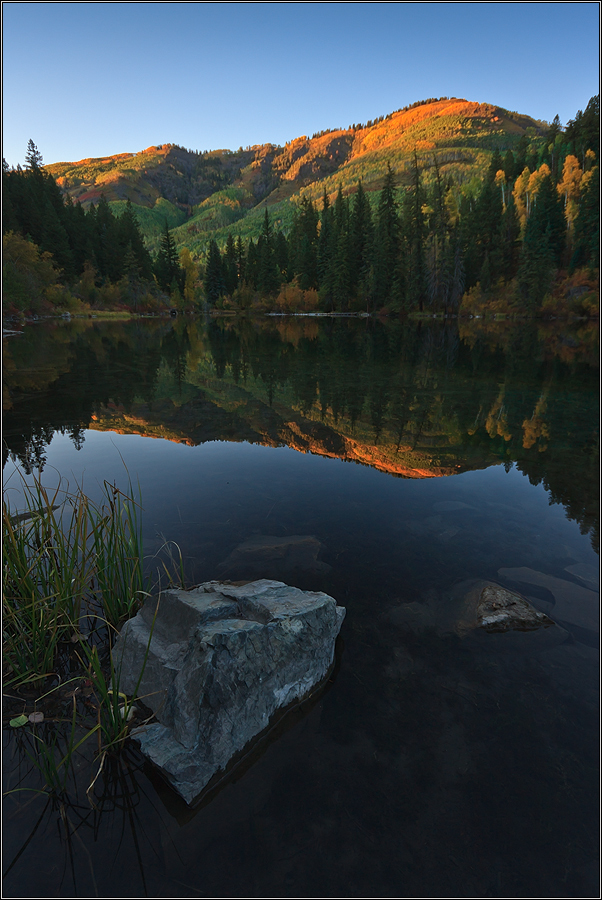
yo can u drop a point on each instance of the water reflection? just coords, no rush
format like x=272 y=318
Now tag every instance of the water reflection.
x=438 y=764
x=415 y=401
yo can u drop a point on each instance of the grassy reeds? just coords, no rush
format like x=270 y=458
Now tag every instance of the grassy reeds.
x=66 y=559
x=72 y=572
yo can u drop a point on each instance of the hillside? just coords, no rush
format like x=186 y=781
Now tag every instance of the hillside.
x=203 y=195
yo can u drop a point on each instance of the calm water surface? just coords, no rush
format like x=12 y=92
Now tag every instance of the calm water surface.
x=437 y=763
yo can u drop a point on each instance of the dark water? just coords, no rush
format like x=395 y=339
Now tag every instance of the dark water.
x=437 y=763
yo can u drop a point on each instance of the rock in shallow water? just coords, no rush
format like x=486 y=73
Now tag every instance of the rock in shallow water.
x=501 y=610
x=281 y=557
x=222 y=660
x=477 y=607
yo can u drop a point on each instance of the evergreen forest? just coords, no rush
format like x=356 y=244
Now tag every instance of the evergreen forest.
x=521 y=239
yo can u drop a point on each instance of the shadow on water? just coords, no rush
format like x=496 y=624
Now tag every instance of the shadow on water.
x=389 y=465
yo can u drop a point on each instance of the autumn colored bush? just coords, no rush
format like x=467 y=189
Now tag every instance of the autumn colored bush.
x=293 y=299
x=28 y=275
x=576 y=295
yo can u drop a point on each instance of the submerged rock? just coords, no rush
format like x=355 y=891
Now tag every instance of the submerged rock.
x=278 y=556
x=220 y=661
x=478 y=607
x=572 y=603
x=500 y=610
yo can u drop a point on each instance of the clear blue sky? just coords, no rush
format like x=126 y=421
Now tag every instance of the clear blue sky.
x=91 y=79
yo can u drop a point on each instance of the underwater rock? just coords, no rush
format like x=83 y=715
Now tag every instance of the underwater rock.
x=572 y=603
x=478 y=607
x=590 y=575
x=266 y=554
x=220 y=661
x=501 y=610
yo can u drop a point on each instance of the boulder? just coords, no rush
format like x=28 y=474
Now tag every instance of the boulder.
x=220 y=661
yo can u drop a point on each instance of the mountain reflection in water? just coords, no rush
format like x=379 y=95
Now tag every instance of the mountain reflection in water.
x=439 y=761
x=417 y=401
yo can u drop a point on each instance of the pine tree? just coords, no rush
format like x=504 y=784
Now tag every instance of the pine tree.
x=33 y=157
x=325 y=249
x=509 y=166
x=268 y=277
x=252 y=265
x=240 y=259
x=536 y=268
x=587 y=224
x=304 y=245
x=414 y=238
x=495 y=165
x=229 y=267
x=548 y=214
x=128 y=232
x=281 y=254
x=214 y=279
x=108 y=248
x=509 y=236
x=437 y=257
x=54 y=239
x=167 y=265
x=387 y=239
x=360 y=239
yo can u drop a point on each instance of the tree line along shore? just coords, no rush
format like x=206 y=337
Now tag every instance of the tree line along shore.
x=523 y=241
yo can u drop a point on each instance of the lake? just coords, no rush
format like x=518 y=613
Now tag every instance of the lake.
x=419 y=457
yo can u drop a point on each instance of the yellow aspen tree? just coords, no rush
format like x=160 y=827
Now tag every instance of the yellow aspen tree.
x=497 y=420
x=536 y=429
x=569 y=188
x=534 y=184
x=590 y=159
x=500 y=181
x=520 y=197
x=191 y=281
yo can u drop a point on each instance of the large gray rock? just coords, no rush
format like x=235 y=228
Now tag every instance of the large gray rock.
x=220 y=661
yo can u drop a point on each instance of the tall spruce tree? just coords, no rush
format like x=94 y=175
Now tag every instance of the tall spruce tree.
x=229 y=266
x=414 y=239
x=361 y=241
x=268 y=275
x=214 y=278
x=587 y=224
x=387 y=239
x=167 y=265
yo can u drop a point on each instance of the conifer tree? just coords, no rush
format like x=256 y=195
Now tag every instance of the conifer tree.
x=128 y=232
x=495 y=165
x=587 y=223
x=268 y=278
x=229 y=267
x=509 y=166
x=414 y=236
x=325 y=249
x=548 y=214
x=281 y=255
x=240 y=259
x=360 y=240
x=167 y=265
x=33 y=157
x=214 y=279
x=304 y=245
x=387 y=239
x=252 y=265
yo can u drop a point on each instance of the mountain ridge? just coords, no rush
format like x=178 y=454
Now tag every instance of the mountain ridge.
x=462 y=134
